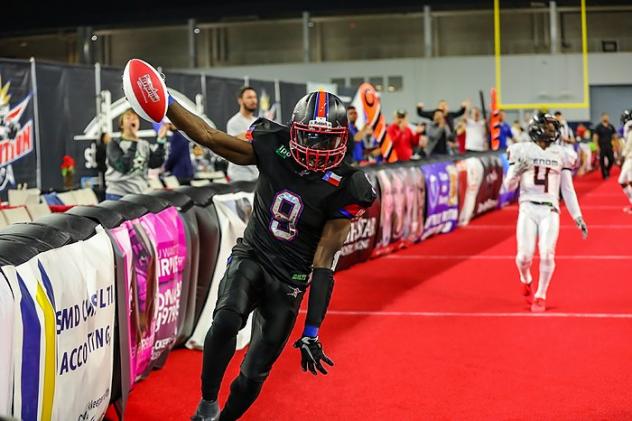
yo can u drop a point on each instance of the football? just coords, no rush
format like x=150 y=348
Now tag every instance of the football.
x=145 y=90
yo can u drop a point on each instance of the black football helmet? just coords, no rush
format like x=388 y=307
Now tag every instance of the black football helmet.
x=626 y=116
x=544 y=127
x=318 y=131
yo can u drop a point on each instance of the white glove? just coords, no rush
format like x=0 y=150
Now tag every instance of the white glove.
x=582 y=226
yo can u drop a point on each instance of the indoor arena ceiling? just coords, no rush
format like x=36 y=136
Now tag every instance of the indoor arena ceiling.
x=29 y=16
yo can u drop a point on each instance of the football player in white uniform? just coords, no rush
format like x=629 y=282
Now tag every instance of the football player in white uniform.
x=541 y=168
x=625 y=178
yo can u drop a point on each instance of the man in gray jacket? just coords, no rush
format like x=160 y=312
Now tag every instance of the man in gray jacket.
x=130 y=157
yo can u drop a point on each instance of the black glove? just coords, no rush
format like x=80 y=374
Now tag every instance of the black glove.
x=312 y=354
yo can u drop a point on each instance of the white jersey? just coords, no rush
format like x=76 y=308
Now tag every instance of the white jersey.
x=541 y=181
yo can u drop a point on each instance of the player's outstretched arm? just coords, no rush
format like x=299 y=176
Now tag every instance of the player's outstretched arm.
x=322 y=283
x=570 y=198
x=229 y=147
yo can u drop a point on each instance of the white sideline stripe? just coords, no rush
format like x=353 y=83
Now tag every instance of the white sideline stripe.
x=498 y=257
x=588 y=207
x=513 y=226
x=482 y=314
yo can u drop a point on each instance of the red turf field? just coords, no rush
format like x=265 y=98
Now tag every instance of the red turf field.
x=440 y=331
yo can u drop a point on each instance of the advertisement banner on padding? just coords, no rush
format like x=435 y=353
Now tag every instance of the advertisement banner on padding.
x=34 y=344
x=470 y=179
x=442 y=198
x=7 y=312
x=85 y=313
x=142 y=285
x=233 y=211
x=385 y=226
x=400 y=223
x=415 y=203
x=64 y=331
x=361 y=239
x=167 y=230
x=489 y=192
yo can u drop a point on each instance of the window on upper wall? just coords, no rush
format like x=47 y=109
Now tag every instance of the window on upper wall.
x=354 y=82
x=395 y=84
x=377 y=82
x=340 y=81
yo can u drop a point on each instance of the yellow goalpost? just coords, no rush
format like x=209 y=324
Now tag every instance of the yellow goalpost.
x=586 y=97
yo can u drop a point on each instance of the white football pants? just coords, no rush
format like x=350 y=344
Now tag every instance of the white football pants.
x=537 y=222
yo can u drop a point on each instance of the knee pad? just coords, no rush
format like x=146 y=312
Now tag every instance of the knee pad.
x=226 y=323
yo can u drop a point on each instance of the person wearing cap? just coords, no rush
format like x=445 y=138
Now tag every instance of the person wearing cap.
x=439 y=136
x=404 y=139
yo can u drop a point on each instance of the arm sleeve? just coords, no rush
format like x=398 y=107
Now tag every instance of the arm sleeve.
x=414 y=138
x=119 y=160
x=395 y=134
x=425 y=114
x=459 y=113
x=512 y=179
x=568 y=194
x=627 y=149
x=570 y=160
x=353 y=199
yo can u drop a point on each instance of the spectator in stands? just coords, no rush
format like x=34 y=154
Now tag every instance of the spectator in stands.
x=566 y=134
x=518 y=133
x=100 y=156
x=603 y=135
x=130 y=157
x=460 y=135
x=443 y=106
x=179 y=159
x=505 y=131
x=238 y=126
x=356 y=144
x=439 y=135
x=475 y=132
x=583 y=138
x=404 y=139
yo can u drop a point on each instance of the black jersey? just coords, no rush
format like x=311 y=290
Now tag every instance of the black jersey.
x=292 y=205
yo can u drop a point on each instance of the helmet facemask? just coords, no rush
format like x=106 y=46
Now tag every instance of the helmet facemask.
x=318 y=146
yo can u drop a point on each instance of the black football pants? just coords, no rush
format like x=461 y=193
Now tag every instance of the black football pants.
x=606 y=153
x=246 y=286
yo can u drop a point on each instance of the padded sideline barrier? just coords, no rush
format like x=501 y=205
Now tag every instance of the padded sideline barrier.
x=233 y=210
x=166 y=232
x=186 y=314
x=65 y=328
x=112 y=220
x=209 y=240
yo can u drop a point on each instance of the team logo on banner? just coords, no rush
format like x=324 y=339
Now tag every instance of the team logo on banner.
x=16 y=140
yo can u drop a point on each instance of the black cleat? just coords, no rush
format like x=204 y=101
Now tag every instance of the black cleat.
x=206 y=411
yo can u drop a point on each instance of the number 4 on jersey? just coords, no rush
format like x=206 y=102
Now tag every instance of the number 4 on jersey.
x=541 y=181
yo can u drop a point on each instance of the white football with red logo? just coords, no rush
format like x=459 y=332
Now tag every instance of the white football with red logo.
x=145 y=90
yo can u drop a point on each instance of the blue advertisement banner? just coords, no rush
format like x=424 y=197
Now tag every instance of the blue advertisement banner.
x=441 y=198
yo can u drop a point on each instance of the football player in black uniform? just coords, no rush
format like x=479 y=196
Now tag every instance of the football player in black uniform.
x=304 y=202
